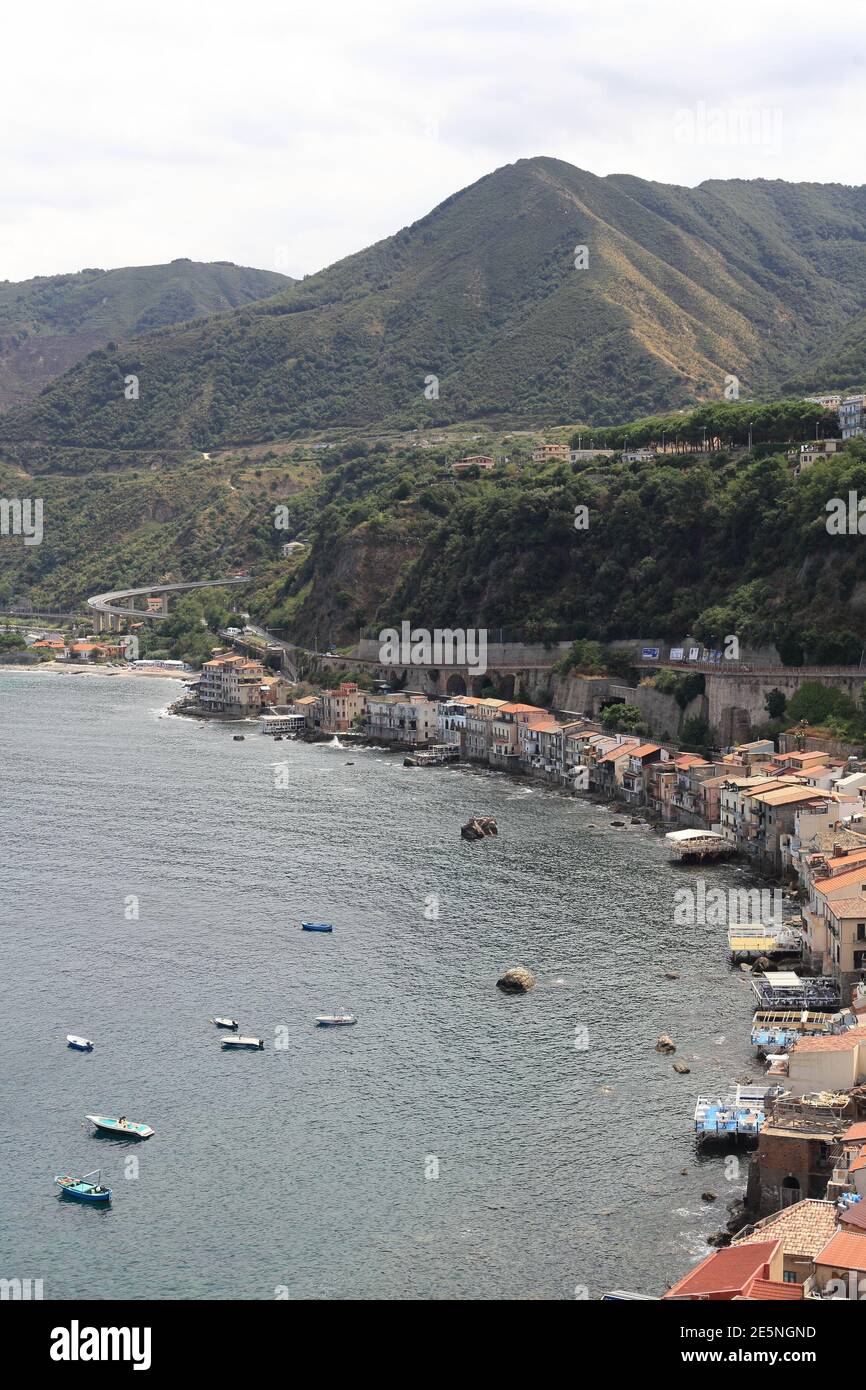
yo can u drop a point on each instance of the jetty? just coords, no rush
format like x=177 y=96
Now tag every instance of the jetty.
x=785 y=989
x=751 y=940
x=435 y=756
x=730 y=1119
x=699 y=844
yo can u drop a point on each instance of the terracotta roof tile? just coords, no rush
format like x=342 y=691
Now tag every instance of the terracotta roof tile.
x=729 y=1270
x=846 y=1250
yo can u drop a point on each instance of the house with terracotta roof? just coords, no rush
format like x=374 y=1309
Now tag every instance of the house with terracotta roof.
x=611 y=765
x=635 y=773
x=732 y=1273
x=231 y=684
x=803 y=1230
x=840 y=1268
x=831 y=1062
x=505 y=743
x=826 y=887
x=845 y=948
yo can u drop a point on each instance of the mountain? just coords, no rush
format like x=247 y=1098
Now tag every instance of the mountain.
x=683 y=287
x=53 y=321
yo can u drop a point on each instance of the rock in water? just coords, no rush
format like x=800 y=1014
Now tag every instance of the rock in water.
x=665 y=1044
x=478 y=827
x=516 y=981
x=681 y=1068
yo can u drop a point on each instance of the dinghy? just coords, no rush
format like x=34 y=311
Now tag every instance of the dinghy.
x=226 y=1023
x=316 y=926
x=84 y=1189
x=79 y=1044
x=341 y=1020
x=251 y=1044
x=121 y=1126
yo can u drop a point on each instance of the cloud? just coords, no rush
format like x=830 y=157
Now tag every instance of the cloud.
x=285 y=137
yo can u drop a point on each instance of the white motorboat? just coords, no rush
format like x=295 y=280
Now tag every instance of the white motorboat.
x=79 y=1044
x=341 y=1020
x=231 y=1023
x=242 y=1043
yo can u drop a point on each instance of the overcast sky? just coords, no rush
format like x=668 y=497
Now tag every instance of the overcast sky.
x=287 y=135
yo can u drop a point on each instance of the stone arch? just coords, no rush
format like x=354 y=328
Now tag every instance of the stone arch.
x=477 y=684
x=505 y=687
x=456 y=685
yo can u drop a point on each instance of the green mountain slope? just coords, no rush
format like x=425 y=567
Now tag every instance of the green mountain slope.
x=50 y=323
x=683 y=287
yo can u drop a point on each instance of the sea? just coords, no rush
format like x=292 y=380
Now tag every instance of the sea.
x=457 y=1143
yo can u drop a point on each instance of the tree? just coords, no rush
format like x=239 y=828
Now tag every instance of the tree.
x=775 y=703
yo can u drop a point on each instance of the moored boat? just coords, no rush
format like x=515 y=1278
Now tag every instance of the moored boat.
x=341 y=1020
x=226 y=1023
x=78 y=1044
x=317 y=926
x=121 y=1126
x=84 y=1189
x=250 y=1044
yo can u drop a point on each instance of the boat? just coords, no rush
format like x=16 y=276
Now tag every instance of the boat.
x=226 y=1023
x=84 y=1189
x=238 y=738
x=121 y=1126
x=78 y=1044
x=249 y=1044
x=342 y=1020
x=317 y=926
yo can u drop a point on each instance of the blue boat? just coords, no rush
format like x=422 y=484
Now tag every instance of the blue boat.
x=121 y=1126
x=317 y=926
x=78 y=1044
x=84 y=1189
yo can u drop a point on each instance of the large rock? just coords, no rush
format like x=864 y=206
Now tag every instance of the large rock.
x=516 y=981
x=665 y=1044
x=478 y=827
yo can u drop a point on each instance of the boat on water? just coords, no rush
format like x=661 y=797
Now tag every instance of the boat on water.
x=241 y=1043
x=231 y=1023
x=78 y=1044
x=87 y=1188
x=238 y=738
x=341 y=1020
x=317 y=926
x=121 y=1126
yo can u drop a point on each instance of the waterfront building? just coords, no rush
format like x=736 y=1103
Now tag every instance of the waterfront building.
x=451 y=721
x=610 y=766
x=797 y=1151
x=505 y=748
x=232 y=685
x=399 y=718
x=479 y=728
x=340 y=708
x=283 y=720
x=845 y=943
x=635 y=774
x=831 y=1063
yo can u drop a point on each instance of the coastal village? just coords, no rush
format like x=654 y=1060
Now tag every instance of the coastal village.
x=797 y=816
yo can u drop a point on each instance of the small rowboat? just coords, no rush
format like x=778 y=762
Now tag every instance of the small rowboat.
x=226 y=1023
x=251 y=1044
x=335 y=1020
x=317 y=926
x=121 y=1126
x=79 y=1044
x=84 y=1189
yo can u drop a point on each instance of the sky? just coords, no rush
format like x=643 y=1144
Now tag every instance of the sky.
x=286 y=135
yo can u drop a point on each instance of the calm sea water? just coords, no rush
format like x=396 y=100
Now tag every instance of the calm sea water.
x=310 y=1167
